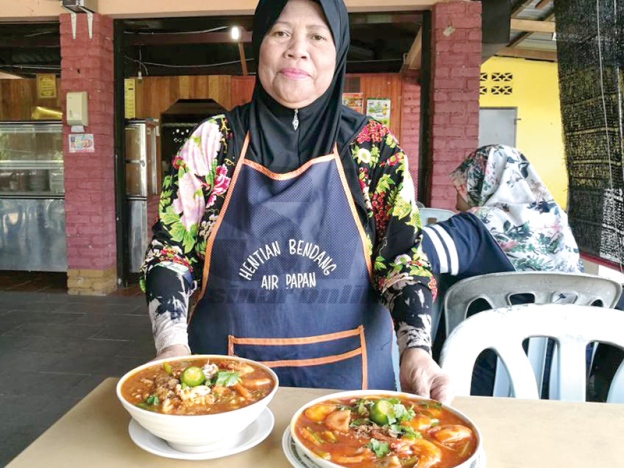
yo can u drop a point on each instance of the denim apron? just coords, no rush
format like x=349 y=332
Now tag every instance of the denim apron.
x=287 y=280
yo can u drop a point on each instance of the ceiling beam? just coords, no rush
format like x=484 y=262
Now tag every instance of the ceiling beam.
x=528 y=54
x=522 y=36
x=191 y=38
x=44 y=10
x=533 y=26
x=542 y=4
x=413 y=61
x=520 y=8
x=243 y=59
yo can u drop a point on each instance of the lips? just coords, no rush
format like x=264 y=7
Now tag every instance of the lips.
x=294 y=73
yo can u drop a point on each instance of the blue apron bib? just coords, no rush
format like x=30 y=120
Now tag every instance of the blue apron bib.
x=286 y=280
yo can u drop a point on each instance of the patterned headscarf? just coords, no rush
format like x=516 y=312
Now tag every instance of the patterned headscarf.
x=506 y=193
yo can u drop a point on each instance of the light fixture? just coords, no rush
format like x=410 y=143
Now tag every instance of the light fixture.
x=235 y=33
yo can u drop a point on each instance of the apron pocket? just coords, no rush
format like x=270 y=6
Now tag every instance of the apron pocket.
x=335 y=360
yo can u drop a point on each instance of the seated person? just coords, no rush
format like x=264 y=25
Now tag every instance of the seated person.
x=504 y=197
x=510 y=222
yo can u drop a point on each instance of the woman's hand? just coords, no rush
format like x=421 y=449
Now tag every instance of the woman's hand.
x=421 y=375
x=173 y=351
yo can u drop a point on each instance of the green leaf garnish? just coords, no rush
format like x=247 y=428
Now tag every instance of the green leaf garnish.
x=433 y=405
x=402 y=413
x=152 y=400
x=226 y=379
x=380 y=449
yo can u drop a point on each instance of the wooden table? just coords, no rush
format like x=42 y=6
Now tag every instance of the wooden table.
x=516 y=433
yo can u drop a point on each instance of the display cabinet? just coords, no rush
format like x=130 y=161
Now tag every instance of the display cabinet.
x=32 y=204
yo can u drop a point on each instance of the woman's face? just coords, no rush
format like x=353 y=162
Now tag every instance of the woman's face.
x=297 y=55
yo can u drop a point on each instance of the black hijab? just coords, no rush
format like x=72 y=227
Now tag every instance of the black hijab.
x=274 y=142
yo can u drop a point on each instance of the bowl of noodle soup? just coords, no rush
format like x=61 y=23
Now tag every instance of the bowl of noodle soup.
x=197 y=402
x=384 y=429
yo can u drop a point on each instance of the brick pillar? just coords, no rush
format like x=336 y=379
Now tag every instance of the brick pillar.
x=87 y=65
x=455 y=67
x=410 y=121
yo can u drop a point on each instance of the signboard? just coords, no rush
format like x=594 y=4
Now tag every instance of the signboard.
x=379 y=109
x=354 y=100
x=46 y=86
x=81 y=143
x=130 y=98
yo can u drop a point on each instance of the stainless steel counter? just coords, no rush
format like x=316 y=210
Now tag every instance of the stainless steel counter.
x=32 y=234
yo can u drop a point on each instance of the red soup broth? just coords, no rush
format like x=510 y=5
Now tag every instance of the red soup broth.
x=366 y=432
x=210 y=386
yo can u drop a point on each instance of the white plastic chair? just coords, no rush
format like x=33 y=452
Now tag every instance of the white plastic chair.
x=504 y=329
x=498 y=289
x=434 y=215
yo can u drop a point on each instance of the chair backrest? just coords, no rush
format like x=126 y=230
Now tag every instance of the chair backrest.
x=504 y=329
x=434 y=215
x=498 y=290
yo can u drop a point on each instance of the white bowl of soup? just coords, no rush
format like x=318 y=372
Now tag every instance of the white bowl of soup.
x=384 y=429
x=195 y=403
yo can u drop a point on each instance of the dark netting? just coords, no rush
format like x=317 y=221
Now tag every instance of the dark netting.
x=590 y=42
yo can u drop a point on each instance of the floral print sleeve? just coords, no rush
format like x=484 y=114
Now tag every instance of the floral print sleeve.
x=191 y=197
x=402 y=273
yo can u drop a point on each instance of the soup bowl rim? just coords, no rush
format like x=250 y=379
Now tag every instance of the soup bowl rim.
x=389 y=393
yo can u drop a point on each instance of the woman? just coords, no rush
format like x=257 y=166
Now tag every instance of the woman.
x=291 y=216
x=499 y=185
x=510 y=223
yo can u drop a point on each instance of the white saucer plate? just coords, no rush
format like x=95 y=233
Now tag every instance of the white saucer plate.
x=294 y=456
x=250 y=437
x=300 y=460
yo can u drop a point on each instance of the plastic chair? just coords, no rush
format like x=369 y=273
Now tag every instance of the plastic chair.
x=504 y=329
x=498 y=290
x=434 y=215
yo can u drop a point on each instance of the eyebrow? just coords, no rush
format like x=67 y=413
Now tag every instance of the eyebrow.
x=310 y=26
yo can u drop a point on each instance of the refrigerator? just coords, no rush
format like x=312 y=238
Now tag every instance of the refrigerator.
x=141 y=184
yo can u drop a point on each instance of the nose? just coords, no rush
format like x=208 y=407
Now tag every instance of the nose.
x=298 y=47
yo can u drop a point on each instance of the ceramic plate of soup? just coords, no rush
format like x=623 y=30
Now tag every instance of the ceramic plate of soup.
x=384 y=429
x=196 y=403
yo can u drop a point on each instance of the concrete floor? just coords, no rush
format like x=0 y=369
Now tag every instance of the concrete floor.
x=56 y=348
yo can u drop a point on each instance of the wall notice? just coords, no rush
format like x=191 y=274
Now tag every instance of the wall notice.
x=379 y=109
x=81 y=143
x=354 y=100
x=46 y=86
x=130 y=98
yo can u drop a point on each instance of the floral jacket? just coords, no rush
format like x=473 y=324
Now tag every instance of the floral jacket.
x=193 y=194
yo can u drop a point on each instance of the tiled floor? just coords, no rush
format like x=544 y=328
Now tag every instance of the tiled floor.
x=55 y=348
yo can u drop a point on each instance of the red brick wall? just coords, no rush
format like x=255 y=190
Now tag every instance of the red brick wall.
x=456 y=61
x=410 y=122
x=87 y=65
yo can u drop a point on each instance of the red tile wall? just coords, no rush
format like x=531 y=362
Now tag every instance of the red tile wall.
x=456 y=61
x=410 y=122
x=87 y=65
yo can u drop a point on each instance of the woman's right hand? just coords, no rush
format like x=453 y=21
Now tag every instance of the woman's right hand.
x=173 y=351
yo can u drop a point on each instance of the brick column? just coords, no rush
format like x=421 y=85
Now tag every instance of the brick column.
x=87 y=65
x=455 y=68
x=410 y=122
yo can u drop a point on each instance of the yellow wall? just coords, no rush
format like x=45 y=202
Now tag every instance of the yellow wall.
x=539 y=134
